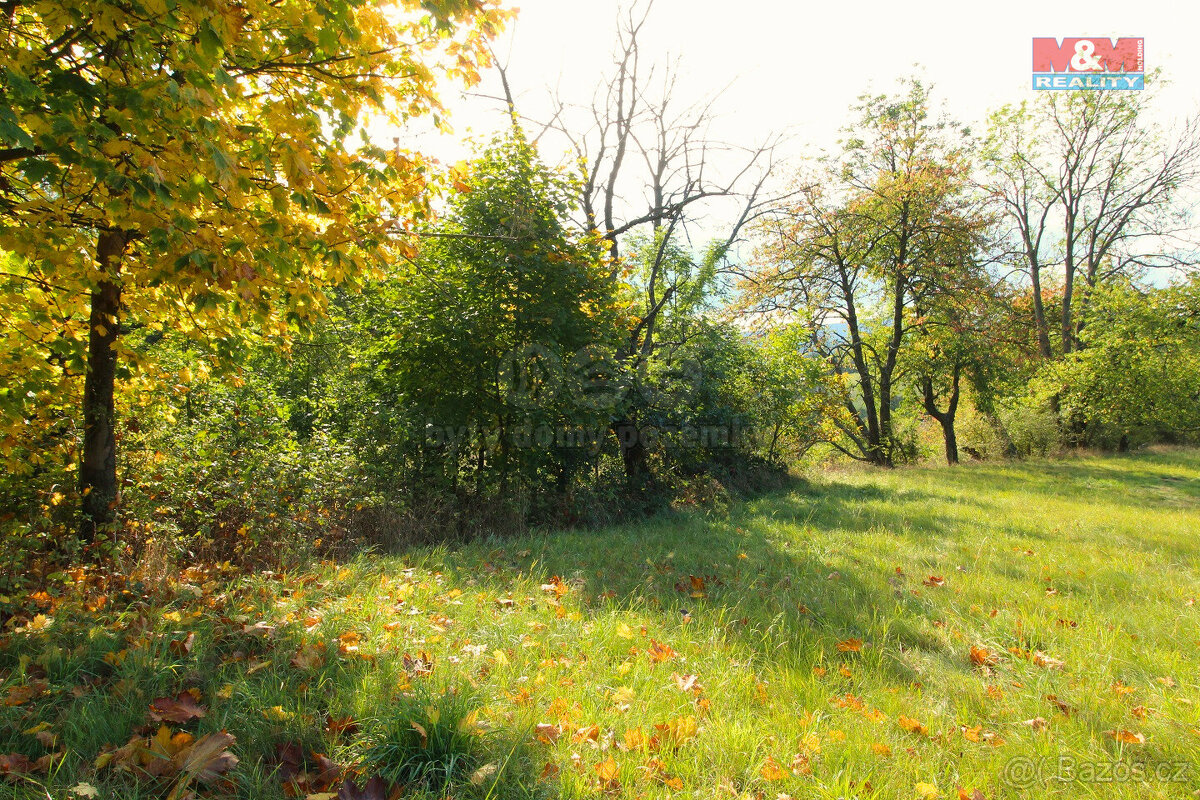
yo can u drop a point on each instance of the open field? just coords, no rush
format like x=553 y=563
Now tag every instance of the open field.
x=1011 y=630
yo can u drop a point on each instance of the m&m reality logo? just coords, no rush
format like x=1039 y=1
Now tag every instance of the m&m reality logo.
x=1089 y=63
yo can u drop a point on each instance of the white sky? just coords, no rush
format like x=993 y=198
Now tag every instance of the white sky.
x=798 y=66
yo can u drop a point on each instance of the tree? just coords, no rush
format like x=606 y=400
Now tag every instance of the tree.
x=193 y=166
x=1091 y=191
x=1136 y=377
x=866 y=241
x=960 y=339
x=651 y=168
x=481 y=341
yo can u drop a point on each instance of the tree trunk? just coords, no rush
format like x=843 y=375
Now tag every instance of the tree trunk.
x=951 y=440
x=98 y=467
x=945 y=418
x=633 y=452
x=1039 y=310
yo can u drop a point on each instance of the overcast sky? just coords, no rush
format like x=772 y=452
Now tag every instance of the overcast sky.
x=798 y=66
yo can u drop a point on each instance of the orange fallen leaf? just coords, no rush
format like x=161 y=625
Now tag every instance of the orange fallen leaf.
x=772 y=771
x=850 y=646
x=1127 y=737
x=608 y=771
x=982 y=657
x=659 y=652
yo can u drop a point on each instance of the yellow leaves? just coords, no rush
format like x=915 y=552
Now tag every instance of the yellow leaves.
x=277 y=714
x=850 y=646
x=912 y=725
x=881 y=750
x=927 y=791
x=634 y=739
x=179 y=754
x=678 y=731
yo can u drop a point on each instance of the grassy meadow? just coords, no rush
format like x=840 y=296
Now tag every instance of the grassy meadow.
x=1024 y=629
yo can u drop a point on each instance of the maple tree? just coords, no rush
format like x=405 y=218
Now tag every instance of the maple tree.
x=195 y=168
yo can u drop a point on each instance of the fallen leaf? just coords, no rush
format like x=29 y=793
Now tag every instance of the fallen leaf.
x=659 y=652
x=927 y=791
x=209 y=757
x=772 y=771
x=19 y=695
x=934 y=580
x=678 y=731
x=850 y=646
x=480 y=776
x=277 y=714
x=1043 y=660
x=374 y=789
x=608 y=771
x=1127 y=737
x=982 y=657
x=1060 y=705
x=179 y=709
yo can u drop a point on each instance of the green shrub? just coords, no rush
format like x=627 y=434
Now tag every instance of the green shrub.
x=1032 y=429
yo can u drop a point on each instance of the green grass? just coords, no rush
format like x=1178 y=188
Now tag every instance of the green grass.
x=1094 y=562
